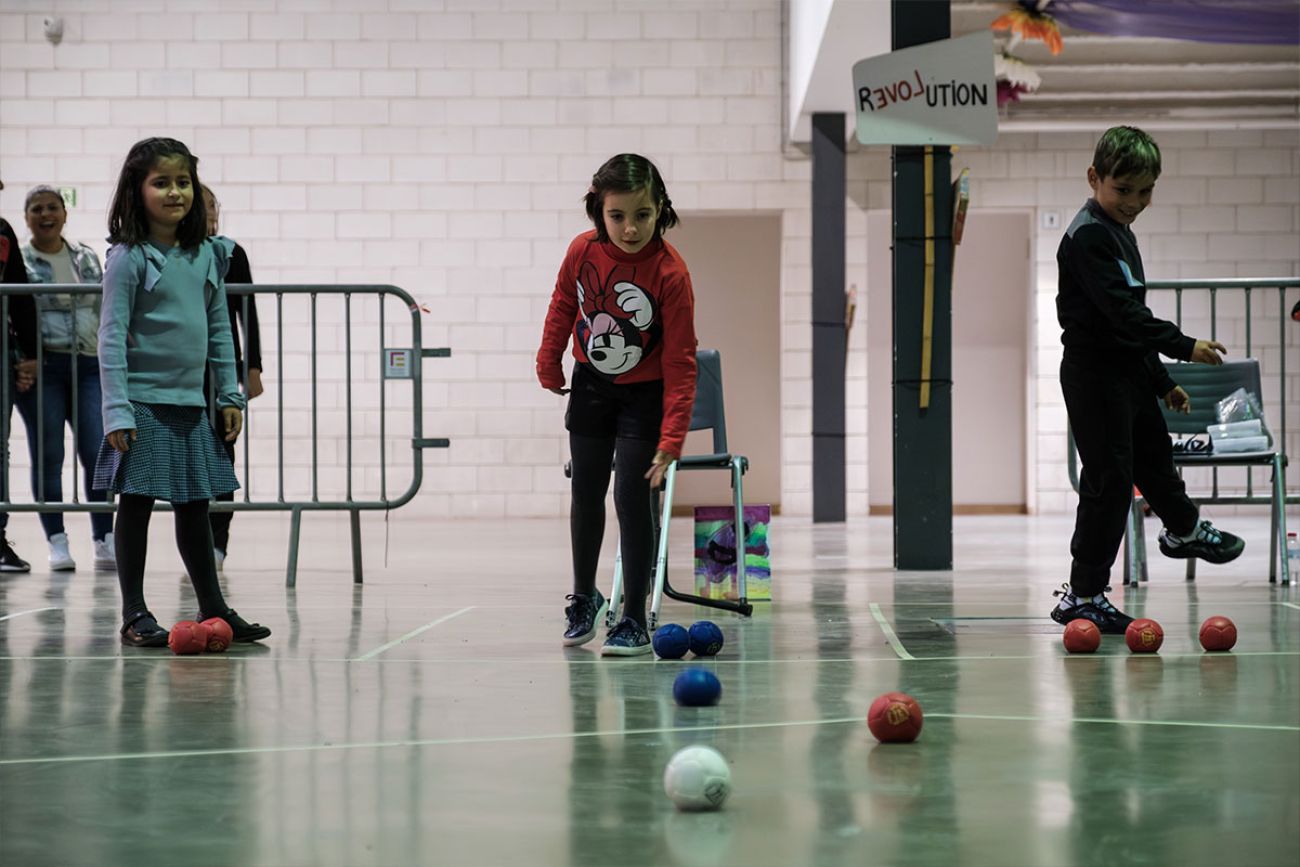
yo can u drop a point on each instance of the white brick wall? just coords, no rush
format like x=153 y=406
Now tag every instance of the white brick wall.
x=446 y=151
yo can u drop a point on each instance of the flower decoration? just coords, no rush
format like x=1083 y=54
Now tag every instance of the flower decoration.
x=1015 y=71
x=1028 y=21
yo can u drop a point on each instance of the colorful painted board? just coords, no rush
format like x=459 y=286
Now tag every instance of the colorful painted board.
x=715 y=553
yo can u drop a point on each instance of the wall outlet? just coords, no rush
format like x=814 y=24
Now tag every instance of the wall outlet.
x=1051 y=219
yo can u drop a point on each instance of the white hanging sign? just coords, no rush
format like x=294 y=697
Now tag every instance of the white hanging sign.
x=939 y=93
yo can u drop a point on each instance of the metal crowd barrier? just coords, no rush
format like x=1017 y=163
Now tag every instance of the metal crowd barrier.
x=403 y=362
x=1273 y=386
x=1272 y=291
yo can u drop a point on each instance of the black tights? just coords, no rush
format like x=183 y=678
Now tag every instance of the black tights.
x=591 y=459
x=193 y=540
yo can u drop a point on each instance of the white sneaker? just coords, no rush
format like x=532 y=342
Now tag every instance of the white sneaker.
x=60 y=558
x=220 y=557
x=105 y=553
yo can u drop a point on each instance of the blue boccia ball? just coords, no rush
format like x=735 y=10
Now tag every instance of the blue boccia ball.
x=671 y=641
x=696 y=687
x=706 y=638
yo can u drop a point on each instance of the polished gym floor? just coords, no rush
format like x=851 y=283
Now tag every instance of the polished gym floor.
x=430 y=715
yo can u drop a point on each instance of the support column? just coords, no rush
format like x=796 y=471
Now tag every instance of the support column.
x=922 y=358
x=828 y=339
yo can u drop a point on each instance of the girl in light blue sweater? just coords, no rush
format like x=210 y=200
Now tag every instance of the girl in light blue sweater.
x=162 y=321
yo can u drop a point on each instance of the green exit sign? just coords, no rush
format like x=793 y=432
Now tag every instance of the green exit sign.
x=69 y=196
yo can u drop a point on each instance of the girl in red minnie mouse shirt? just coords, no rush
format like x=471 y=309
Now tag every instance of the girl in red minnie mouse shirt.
x=625 y=297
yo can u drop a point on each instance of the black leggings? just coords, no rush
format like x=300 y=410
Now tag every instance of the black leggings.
x=220 y=521
x=591 y=460
x=193 y=540
x=1122 y=441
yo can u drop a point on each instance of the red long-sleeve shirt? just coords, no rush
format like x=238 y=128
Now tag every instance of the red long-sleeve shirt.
x=632 y=318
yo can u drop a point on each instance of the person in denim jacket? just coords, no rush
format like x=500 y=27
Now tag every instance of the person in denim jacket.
x=69 y=326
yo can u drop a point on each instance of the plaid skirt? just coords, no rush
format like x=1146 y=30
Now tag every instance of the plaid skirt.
x=175 y=456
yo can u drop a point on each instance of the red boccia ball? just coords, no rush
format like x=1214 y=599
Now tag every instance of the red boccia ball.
x=188 y=637
x=895 y=717
x=1218 y=633
x=219 y=635
x=1144 y=635
x=1081 y=636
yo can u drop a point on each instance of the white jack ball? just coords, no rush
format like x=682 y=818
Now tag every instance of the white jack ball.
x=697 y=778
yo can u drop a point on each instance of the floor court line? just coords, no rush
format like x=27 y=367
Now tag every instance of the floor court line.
x=561 y=736
x=29 y=611
x=889 y=633
x=596 y=660
x=796 y=606
x=408 y=636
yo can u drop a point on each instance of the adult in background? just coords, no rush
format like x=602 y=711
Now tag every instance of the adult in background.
x=70 y=351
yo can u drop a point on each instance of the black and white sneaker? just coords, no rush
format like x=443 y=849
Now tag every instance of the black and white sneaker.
x=9 y=559
x=628 y=638
x=583 y=617
x=1206 y=542
x=1109 y=619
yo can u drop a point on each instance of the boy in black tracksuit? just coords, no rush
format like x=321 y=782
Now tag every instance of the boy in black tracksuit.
x=1111 y=377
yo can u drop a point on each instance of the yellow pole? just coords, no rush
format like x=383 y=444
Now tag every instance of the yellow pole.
x=927 y=326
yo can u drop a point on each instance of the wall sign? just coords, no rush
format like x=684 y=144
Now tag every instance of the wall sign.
x=939 y=93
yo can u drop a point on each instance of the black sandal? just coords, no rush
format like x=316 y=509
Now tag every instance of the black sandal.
x=244 y=632
x=143 y=630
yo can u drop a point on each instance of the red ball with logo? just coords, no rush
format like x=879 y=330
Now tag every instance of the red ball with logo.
x=219 y=635
x=1218 y=633
x=1144 y=635
x=1081 y=636
x=188 y=637
x=895 y=717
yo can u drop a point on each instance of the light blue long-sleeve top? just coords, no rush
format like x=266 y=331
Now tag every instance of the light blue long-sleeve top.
x=162 y=321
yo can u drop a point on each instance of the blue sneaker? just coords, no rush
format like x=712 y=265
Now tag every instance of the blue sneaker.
x=584 y=615
x=628 y=638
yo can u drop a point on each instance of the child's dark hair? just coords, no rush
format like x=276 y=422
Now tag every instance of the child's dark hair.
x=628 y=173
x=127 y=220
x=1126 y=150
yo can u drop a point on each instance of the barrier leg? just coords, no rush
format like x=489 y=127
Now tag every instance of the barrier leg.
x=355 y=515
x=295 y=523
x=1279 y=517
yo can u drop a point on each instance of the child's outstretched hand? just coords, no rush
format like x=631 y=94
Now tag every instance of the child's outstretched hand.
x=234 y=420
x=1207 y=352
x=1178 y=401
x=120 y=439
x=659 y=468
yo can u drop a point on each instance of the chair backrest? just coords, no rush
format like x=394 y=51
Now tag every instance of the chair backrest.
x=1206 y=385
x=709 y=411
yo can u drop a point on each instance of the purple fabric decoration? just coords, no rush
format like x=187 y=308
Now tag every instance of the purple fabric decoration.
x=1260 y=22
